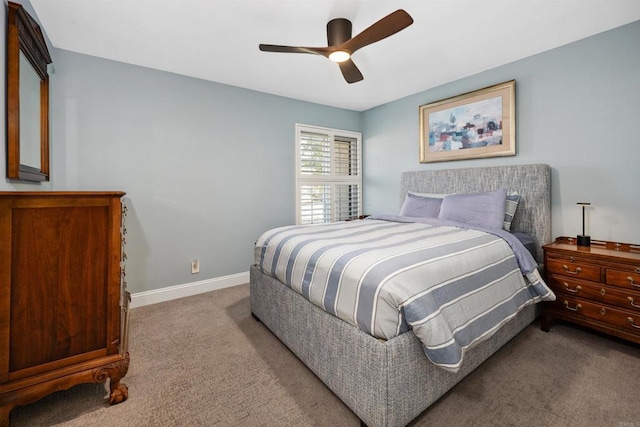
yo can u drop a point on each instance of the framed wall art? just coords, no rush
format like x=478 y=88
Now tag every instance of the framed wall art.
x=474 y=125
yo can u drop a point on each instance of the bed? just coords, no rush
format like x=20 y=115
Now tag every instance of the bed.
x=389 y=382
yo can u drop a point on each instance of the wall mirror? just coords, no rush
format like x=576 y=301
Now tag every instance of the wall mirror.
x=27 y=98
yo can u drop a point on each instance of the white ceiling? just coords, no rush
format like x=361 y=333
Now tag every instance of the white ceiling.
x=218 y=40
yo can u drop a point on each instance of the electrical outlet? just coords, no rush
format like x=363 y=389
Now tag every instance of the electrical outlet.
x=195 y=266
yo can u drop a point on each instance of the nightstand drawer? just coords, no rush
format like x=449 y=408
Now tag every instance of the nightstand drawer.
x=612 y=316
x=622 y=278
x=621 y=298
x=574 y=269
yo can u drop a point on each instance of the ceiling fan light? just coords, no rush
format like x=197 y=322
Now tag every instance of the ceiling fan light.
x=339 y=56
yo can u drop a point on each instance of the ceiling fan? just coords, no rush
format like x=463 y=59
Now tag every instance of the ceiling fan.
x=341 y=46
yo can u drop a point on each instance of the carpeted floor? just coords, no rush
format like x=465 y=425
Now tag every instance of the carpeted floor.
x=204 y=360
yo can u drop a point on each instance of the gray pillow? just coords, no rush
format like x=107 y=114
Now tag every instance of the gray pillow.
x=511 y=204
x=425 y=207
x=484 y=209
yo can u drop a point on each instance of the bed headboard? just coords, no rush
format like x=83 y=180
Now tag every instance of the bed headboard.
x=532 y=182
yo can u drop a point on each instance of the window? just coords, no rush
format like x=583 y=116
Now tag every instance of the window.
x=328 y=175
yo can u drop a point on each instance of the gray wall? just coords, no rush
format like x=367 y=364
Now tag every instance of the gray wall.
x=206 y=167
x=577 y=109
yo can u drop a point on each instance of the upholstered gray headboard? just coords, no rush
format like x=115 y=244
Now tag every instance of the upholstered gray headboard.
x=532 y=182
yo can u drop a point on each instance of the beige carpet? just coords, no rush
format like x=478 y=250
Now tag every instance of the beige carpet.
x=205 y=361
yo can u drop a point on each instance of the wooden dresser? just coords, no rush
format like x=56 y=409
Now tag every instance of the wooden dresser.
x=597 y=286
x=63 y=304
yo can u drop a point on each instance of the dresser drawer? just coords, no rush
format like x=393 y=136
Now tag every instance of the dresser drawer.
x=627 y=279
x=573 y=269
x=625 y=319
x=598 y=293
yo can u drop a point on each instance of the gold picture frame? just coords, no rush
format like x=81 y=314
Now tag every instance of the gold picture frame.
x=473 y=125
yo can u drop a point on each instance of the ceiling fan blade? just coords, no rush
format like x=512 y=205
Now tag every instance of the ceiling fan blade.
x=294 y=49
x=382 y=29
x=350 y=71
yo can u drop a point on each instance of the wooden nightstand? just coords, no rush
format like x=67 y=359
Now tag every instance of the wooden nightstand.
x=597 y=286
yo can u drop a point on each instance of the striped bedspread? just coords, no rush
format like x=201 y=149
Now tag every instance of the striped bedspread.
x=453 y=286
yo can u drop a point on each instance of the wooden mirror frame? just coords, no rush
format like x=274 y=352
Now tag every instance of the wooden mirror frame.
x=24 y=35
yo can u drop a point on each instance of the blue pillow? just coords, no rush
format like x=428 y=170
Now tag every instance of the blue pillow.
x=484 y=209
x=425 y=207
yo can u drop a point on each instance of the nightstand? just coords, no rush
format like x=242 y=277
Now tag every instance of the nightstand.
x=596 y=286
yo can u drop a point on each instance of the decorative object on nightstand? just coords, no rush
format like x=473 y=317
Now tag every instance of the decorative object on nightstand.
x=356 y=218
x=63 y=299
x=596 y=286
x=583 y=239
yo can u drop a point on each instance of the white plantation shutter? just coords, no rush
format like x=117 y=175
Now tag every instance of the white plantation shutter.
x=347 y=156
x=346 y=201
x=315 y=154
x=328 y=175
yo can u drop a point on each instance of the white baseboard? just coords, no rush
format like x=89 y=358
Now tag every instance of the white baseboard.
x=140 y=299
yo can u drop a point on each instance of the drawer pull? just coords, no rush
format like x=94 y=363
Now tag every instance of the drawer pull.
x=630 y=279
x=578 y=270
x=633 y=303
x=603 y=311
x=602 y=292
x=573 y=291
x=633 y=324
x=637 y=269
x=576 y=308
x=572 y=259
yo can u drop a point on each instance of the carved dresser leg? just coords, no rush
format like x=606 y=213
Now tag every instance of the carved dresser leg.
x=115 y=372
x=5 y=411
x=119 y=391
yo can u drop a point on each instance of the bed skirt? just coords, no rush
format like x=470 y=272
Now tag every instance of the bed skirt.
x=385 y=383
